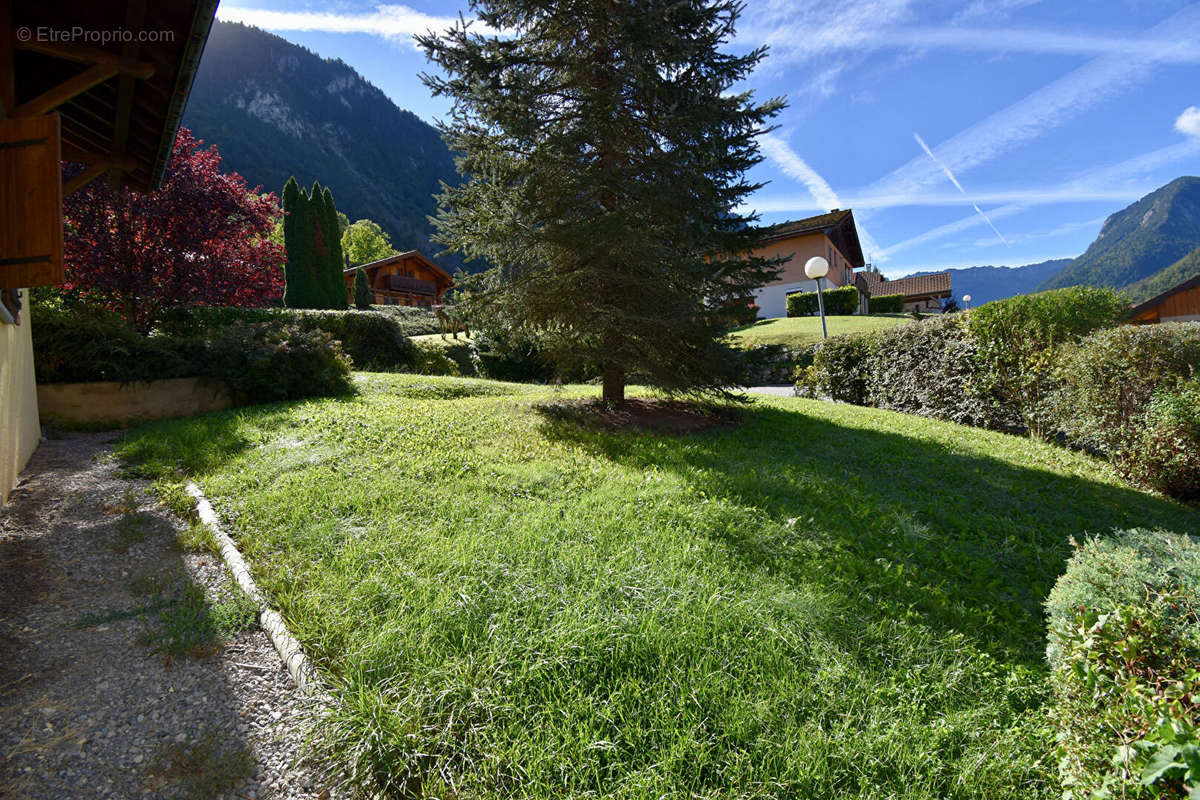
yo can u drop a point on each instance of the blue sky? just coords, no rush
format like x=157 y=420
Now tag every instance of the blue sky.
x=961 y=133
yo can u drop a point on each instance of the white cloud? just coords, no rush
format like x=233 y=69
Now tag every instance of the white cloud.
x=388 y=21
x=1042 y=111
x=1114 y=178
x=992 y=9
x=795 y=167
x=1189 y=122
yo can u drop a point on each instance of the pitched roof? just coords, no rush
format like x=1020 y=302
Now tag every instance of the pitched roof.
x=918 y=286
x=135 y=91
x=838 y=225
x=405 y=256
x=1190 y=283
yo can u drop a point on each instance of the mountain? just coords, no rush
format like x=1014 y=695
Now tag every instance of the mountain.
x=1183 y=269
x=275 y=109
x=1137 y=242
x=988 y=283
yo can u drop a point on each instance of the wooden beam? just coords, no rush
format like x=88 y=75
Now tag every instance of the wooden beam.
x=8 y=84
x=110 y=160
x=93 y=171
x=135 y=13
x=90 y=55
x=48 y=101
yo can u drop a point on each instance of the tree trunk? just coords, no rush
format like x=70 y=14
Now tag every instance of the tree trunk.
x=614 y=384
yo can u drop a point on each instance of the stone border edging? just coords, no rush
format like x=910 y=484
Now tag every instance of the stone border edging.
x=289 y=649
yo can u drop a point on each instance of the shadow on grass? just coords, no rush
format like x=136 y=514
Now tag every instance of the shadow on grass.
x=906 y=524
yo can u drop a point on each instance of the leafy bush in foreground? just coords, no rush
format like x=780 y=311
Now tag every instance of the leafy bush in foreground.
x=840 y=365
x=1124 y=652
x=840 y=302
x=262 y=363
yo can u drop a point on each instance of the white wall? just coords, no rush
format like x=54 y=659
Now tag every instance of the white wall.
x=772 y=299
x=20 y=430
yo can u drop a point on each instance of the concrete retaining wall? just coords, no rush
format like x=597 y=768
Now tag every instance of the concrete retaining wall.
x=122 y=404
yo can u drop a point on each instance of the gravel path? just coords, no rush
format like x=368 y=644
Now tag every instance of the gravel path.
x=86 y=708
x=786 y=390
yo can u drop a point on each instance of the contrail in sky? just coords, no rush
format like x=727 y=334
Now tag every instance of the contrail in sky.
x=954 y=180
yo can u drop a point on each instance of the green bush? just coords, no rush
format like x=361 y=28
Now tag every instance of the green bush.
x=265 y=362
x=1124 y=653
x=841 y=366
x=434 y=359
x=260 y=361
x=930 y=368
x=91 y=344
x=1016 y=340
x=1106 y=381
x=373 y=341
x=772 y=363
x=840 y=302
x=887 y=303
x=1166 y=454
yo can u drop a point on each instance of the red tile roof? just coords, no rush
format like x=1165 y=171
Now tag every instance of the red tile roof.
x=919 y=286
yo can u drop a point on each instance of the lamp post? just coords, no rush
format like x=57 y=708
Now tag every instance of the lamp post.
x=817 y=268
x=967 y=301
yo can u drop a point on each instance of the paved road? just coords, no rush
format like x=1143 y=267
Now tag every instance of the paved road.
x=786 y=390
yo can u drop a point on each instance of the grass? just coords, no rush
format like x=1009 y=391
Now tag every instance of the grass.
x=825 y=601
x=796 y=332
x=440 y=340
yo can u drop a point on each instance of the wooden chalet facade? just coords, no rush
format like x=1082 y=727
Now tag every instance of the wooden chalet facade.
x=406 y=279
x=110 y=108
x=832 y=236
x=924 y=293
x=1179 y=304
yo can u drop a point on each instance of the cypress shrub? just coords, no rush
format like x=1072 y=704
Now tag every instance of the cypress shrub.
x=839 y=302
x=1124 y=645
x=334 y=283
x=886 y=303
x=362 y=290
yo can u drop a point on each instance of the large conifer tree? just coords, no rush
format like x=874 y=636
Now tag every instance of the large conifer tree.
x=606 y=151
x=314 y=250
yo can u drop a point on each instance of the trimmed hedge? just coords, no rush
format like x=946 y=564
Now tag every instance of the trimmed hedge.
x=374 y=341
x=931 y=369
x=259 y=361
x=413 y=320
x=840 y=302
x=1124 y=653
x=886 y=303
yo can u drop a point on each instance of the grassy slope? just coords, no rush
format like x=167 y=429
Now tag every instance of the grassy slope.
x=827 y=601
x=799 y=331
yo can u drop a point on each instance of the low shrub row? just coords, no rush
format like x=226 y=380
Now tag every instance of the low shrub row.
x=840 y=302
x=260 y=361
x=413 y=320
x=887 y=303
x=1124 y=653
x=373 y=340
x=1051 y=364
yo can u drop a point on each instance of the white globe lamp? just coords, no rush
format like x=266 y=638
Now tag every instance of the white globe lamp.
x=966 y=301
x=817 y=268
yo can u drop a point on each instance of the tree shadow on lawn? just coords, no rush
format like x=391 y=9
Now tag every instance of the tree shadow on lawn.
x=901 y=523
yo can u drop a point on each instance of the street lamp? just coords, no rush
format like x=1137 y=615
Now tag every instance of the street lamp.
x=818 y=268
x=966 y=301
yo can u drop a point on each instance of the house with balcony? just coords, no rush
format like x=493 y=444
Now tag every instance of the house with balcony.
x=927 y=294
x=832 y=236
x=405 y=279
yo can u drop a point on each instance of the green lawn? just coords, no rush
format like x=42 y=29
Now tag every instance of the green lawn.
x=826 y=601
x=438 y=339
x=799 y=331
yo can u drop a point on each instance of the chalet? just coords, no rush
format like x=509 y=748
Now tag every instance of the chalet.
x=114 y=108
x=406 y=279
x=832 y=236
x=925 y=293
x=1180 y=304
